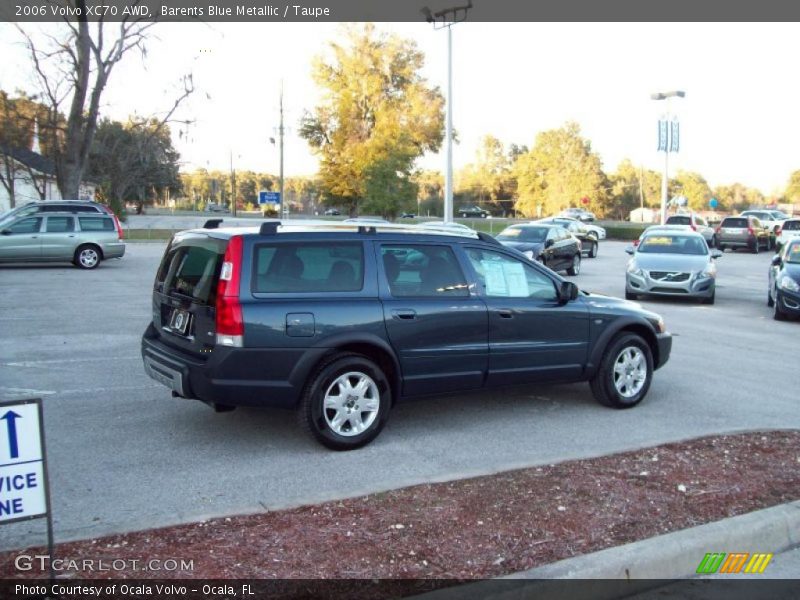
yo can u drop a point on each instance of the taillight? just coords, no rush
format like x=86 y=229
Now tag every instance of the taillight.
x=750 y=231
x=229 y=322
x=118 y=225
x=777 y=231
x=693 y=227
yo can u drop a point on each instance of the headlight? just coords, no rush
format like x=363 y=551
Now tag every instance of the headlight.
x=529 y=254
x=709 y=271
x=634 y=269
x=789 y=284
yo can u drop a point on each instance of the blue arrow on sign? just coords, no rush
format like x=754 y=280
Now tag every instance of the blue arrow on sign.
x=11 y=418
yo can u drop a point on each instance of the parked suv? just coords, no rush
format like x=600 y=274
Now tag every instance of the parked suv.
x=743 y=232
x=788 y=231
x=695 y=223
x=339 y=323
x=84 y=239
x=50 y=206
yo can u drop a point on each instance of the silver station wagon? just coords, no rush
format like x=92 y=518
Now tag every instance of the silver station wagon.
x=82 y=239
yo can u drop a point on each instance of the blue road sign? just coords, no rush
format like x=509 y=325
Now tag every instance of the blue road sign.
x=269 y=197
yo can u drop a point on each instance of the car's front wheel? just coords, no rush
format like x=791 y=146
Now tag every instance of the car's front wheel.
x=593 y=249
x=87 y=257
x=625 y=372
x=346 y=402
x=575 y=268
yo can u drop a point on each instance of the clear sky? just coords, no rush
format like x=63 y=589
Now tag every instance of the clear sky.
x=739 y=120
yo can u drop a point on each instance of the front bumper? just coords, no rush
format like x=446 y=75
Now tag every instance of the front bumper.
x=664 y=341
x=788 y=301
x=693 y=287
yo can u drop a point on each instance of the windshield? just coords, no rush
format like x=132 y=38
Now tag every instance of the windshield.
x=777 y=214
x=523 y=234
x=19 y=211
x=673 y=244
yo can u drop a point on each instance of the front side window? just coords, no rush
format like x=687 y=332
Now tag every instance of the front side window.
x=31 y=225
x=504 y=277
x=423 y=272
x=309 y=267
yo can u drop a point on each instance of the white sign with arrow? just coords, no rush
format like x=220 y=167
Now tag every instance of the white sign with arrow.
x=23 y=474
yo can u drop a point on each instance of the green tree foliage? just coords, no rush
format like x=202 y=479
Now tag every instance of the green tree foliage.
x=489 y=179
x=558 y=171
x=694 y=188
x=737 y=197
x=377 y=112
x=792 y=193
x=389 y=190
x=133 y=161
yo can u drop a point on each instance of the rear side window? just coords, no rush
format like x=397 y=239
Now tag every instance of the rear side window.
x=96 y=224
x=192 y=271
x=59 y=224
x=735 y=222
x=423 y=272
x=309 y=267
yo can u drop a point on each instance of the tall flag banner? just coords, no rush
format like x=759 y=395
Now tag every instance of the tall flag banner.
x=662 y=136
x=675 y=136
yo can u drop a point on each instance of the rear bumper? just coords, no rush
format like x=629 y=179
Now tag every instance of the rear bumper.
x=113 y=250
x=230 y=376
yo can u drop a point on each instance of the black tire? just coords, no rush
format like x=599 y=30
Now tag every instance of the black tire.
x=722 y=248
x=87 y=256
x=770 y=301
x=777 y=311
x=713 y=243
x=463 y=215
x=603 y=384
x=593 y=249
x=315 y=419
x=575 y=269
x=756 y=246
x=710 y=299
x=630 y=296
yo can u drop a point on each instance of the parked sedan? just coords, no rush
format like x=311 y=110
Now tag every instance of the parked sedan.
x=589 y=244
x=578 y=213
x=83 y=239
x=551 y=245
x=672 y=263
x=783 y=293
x=473 y=212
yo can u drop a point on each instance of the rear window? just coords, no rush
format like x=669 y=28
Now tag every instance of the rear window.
x=309 y=267
x=523 y=234
x=792 y=226
x=734 y=222
x=679 y=220
x=192 y=271
x=96 y=224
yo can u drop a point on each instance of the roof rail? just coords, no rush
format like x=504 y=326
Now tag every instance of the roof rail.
x=269 y=228
x=212 y=224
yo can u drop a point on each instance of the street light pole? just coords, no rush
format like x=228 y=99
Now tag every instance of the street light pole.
x=284 y=204
x=666 y=143
x=447 y=18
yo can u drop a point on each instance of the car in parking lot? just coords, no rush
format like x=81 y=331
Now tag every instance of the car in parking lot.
x=578 y=213
x=50 y=206
x=214 y=207
x=788 y=231
x=341 y=324
x=596 y=231
x=783 y=293
x=743 y=232
x=467 y=212
x=85 y=239
x=590 y=245
x=769 y=219
x=332 y=212
x=696 y=223
x=672 y=262
x=551 y=245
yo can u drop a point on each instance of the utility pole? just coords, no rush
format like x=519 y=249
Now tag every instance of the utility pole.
x=233 y=187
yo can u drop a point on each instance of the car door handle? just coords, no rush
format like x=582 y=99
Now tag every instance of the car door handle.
x=404 y=314
x=505 y=313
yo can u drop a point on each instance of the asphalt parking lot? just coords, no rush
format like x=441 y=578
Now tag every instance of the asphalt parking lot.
x=125 y=455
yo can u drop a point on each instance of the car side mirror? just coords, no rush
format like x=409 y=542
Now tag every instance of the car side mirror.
x=568 y=291
x=716 y=253
x=776 y=260
x=630 y=250
x=548 y=243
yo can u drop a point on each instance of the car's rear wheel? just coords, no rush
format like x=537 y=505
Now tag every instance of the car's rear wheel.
x=756 y=246
x=87 y=257
x=575 y=269
x=346 y=402
x=593 y=249
x=713 y=243
x=625 y=372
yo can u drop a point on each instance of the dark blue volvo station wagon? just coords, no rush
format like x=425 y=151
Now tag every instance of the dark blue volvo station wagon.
x=338 y=322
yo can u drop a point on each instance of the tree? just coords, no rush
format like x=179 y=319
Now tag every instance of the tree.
x=389 y=190
x=133 y=161
x=559 y=171
x=377 y=113
x=624 y=191
x=694 y=188
x=792 y=193
x=489 y=179
x=74 y=69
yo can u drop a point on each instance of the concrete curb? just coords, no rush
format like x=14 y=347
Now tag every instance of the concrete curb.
x=670 y=556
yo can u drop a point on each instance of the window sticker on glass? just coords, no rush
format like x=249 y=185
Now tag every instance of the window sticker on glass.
x=515 y=279
x=505 y=279
x=495 y=280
